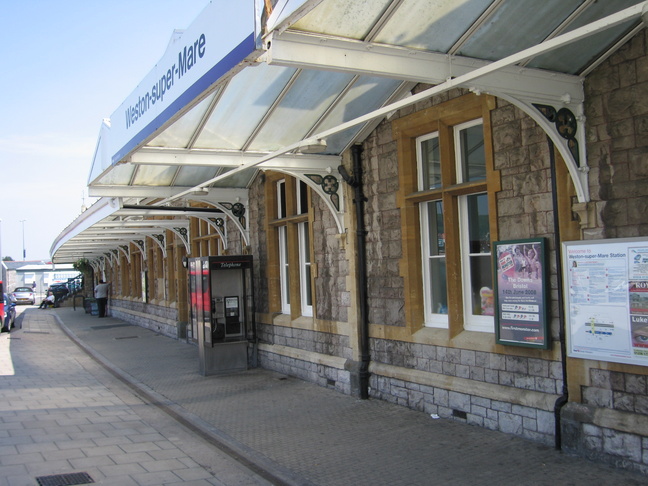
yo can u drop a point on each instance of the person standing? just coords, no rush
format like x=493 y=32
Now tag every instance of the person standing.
x=101 y=294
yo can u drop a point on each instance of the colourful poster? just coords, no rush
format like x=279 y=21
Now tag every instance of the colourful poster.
x=521 y=317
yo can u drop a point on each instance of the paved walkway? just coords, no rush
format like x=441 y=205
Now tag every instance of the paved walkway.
x=62 y=412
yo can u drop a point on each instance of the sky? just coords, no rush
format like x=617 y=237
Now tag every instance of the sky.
x=68 y=64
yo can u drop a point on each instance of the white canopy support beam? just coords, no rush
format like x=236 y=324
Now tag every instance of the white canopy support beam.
x=303 y=50
x=131 y=191
x=227 y=159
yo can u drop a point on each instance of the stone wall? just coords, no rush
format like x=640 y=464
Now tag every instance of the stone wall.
x=157 y=318
x=512 y=418
x=534 y=375
x=309 y=363
x=617 y=141
x=382 y=217
x=259 y=246
x=625 y=443
x=609 y=423
x=331 y=295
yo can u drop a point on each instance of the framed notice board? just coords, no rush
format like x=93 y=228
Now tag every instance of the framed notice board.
x=606 y=299
x=521 y=293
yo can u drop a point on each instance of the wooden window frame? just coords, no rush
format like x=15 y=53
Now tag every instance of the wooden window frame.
x=440 y=118
x=291 y=221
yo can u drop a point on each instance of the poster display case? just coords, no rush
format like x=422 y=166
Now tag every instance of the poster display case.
x=606 y=299
x=521 y=293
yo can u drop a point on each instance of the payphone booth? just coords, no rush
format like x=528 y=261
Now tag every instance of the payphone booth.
x=222 y=311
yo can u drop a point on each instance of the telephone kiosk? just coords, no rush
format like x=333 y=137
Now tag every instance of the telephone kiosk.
x=222 y=312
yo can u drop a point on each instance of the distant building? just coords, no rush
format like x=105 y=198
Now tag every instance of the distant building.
x=40 y=272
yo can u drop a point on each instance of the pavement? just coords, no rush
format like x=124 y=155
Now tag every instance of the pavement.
x=127 y=406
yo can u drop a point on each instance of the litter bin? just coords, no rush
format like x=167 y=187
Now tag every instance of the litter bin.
x=91 y=306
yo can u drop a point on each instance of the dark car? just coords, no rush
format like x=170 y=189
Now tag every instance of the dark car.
x=24 y=295
x=9 y=318
x=59 y=290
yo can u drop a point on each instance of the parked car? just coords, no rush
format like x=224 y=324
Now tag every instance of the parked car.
x=9 y=318
x=59 y=290
x=24 y=295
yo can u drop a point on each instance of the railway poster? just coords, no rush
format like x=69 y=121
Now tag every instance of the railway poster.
x=520 y=294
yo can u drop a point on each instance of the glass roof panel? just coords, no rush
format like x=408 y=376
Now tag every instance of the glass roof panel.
x=495 y=39
x=179 y=134
x=367 y=94
x=433 y=25
x=309 y=97
x=154 y=175
x=191 y=176
x=243 y=105
x=119 y=175
x=240 y=179
x=343 y=18
x=575 y=57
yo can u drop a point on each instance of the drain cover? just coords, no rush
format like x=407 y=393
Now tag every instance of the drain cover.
x=65 y=479
x=127 y=337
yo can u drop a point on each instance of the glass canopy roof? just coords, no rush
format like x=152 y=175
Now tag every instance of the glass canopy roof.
x=346 y=58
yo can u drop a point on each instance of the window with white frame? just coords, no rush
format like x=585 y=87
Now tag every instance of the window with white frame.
x=284 y=273
x=454 y=221
x=305 y=270
x=294 y=247
x=304 y=252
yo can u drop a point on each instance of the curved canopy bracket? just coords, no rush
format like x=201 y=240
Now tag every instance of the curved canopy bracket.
x=567 y=131
x=327 y=186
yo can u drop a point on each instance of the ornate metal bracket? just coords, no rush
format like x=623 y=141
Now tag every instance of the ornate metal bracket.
x=183 y=234
x=141 y=246
x=237 y=210
x=126 y=251
x=566 y=126
x=329 y=185
x=219 y=225
x=160 y=239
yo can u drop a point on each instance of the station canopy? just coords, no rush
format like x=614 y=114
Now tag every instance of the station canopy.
x=305 y=80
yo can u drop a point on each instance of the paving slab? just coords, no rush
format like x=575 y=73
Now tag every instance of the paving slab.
x=284 y=430
x=64 y=413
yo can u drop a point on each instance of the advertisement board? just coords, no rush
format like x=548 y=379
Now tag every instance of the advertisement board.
x=520 y=293
x=606 y=299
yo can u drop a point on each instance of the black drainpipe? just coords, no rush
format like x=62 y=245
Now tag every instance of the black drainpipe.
x=359 y=199
x=562 y=400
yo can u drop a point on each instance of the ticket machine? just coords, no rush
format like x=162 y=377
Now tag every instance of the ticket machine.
x=222 y=312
